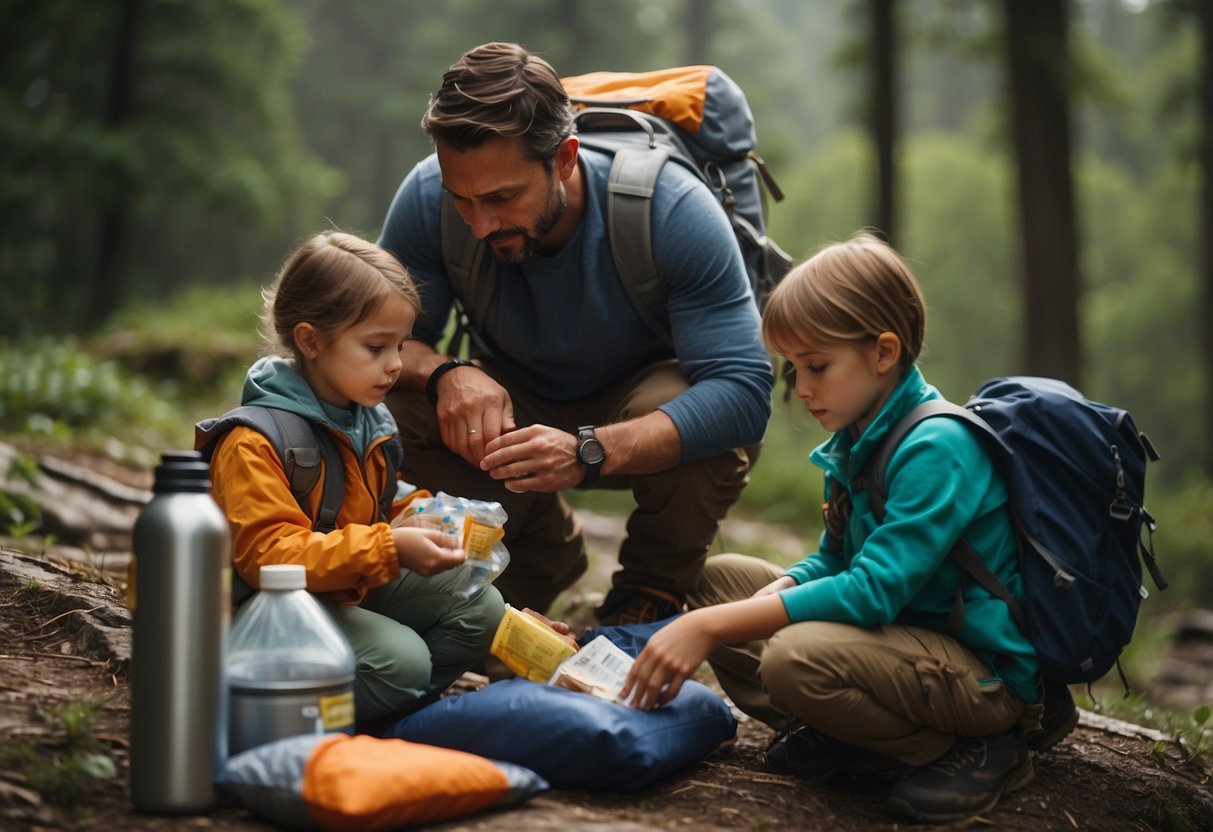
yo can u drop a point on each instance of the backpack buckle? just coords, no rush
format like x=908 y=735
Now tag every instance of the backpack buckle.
x=1120 y=510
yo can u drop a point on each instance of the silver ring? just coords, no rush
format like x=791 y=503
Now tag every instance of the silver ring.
x=472 y=430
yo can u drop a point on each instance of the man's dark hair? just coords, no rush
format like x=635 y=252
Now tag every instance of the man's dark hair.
x=500 y=90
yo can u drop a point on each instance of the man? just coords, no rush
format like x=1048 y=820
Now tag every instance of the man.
x=570 y=388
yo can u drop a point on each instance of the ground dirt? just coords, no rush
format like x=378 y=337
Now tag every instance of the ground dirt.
x=65 y=640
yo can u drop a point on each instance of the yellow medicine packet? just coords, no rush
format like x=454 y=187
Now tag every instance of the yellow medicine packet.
x=529 y=647
x=479 y=538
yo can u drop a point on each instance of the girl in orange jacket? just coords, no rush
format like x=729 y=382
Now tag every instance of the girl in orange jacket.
x=338 y=316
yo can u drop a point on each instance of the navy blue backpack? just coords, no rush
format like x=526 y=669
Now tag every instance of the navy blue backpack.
x=1075 y=471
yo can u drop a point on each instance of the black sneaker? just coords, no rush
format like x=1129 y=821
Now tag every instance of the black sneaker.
x=969 y=779
x=637 y=606
x=1058 y=720
x=811 y=755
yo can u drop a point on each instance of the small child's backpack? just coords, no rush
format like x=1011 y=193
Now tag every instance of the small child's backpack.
x=696 y=116
x=301 y=446
x=1075 y=475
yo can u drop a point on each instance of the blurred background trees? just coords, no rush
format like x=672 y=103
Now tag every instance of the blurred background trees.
x=1045 y=165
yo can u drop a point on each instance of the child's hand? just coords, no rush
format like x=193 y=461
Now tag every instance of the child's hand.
x=672 y=654
x=782 y=582
x=408 y=519
x=427 y=551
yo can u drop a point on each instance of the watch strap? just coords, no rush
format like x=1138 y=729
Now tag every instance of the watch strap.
x=586 y=433
x=431 y=384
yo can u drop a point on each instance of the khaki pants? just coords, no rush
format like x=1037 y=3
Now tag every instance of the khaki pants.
x=905 y=692
x=677 y=512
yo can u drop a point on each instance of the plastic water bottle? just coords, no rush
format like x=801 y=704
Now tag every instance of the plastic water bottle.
x=182 y=551
x=290 y=668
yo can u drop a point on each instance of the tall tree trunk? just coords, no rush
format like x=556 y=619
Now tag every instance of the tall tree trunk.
x=1204 y=13
x=116 y=206
x=698 y=28
x=884 y=113
x=1038 y=58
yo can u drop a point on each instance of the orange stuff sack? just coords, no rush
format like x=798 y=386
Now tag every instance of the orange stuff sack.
x=339 y=782
x=677 y=94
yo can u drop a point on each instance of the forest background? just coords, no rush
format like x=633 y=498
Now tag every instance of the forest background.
x=159 y=157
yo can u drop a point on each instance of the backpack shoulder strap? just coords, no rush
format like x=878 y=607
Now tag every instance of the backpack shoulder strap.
x=962 y=552
x=472 y=274
x=630 y=187
x=300 y=447
x=877 y=469
x=393 y=450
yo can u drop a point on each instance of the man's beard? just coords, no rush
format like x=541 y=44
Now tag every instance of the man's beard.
x=553 y=210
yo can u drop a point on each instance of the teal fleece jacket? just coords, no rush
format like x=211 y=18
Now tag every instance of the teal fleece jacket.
x=942 y=486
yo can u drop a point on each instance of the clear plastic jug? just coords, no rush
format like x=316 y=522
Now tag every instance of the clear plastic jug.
x=291 y=670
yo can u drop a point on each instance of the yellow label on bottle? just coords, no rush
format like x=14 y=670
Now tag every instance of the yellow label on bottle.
x=480 y=538
x=529 y=647
x=337 y=711
x=130 y=584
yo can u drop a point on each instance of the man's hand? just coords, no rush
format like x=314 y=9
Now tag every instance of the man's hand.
x=473 y=410
x=534 y=458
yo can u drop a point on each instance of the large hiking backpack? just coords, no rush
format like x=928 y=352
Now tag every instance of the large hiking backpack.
x=301 y=446
x=1075 y=474
x=696 y=116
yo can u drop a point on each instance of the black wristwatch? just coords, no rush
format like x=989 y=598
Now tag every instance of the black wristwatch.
x=590 y=452
x=431 y=384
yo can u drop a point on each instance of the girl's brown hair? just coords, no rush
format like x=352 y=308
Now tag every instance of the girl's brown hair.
x=332 y=281
x=848 y=291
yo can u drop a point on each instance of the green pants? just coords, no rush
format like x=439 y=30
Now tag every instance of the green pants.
x=412 y=636
x=677 y=512
x=905 y=692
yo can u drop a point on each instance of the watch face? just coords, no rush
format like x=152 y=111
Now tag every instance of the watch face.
x=591 y=452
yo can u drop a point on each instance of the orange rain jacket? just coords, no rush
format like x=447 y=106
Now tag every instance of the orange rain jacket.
x=268 y=525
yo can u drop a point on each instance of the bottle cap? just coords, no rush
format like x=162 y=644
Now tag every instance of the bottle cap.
x=182 y=471
x=283 y=576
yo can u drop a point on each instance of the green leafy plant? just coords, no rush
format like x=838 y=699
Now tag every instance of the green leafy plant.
x=54 y=389
x=64 y=774
x=1196 y=738
x=20 y=514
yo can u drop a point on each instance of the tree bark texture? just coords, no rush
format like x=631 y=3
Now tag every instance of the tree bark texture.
x=1204 y=237
x=116 y=205
x=884 y=114
x=1038 y=60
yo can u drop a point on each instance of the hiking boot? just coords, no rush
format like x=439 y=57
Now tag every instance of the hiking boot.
x=637 y=606
x=969 y=779
x=1058 y=720
x=811 y=755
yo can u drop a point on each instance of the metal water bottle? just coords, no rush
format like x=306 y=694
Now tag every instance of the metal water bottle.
x=182 y=550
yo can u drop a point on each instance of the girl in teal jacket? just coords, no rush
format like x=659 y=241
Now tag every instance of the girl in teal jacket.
x=852 y=643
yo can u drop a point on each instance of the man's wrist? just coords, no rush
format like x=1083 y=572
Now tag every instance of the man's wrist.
x=431 y=384
x=590 y=452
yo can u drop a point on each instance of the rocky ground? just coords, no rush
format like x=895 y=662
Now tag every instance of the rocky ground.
x=64 y=656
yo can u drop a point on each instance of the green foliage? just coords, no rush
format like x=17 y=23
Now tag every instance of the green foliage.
x=1190 y=728
x=973 y=309
x=194 y=141
x=785 y=488
x=199 y=341
x=54 y=389
x=65 y=773
x=1185 y=527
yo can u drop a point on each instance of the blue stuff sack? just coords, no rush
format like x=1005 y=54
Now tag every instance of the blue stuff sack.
x=573 y=740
